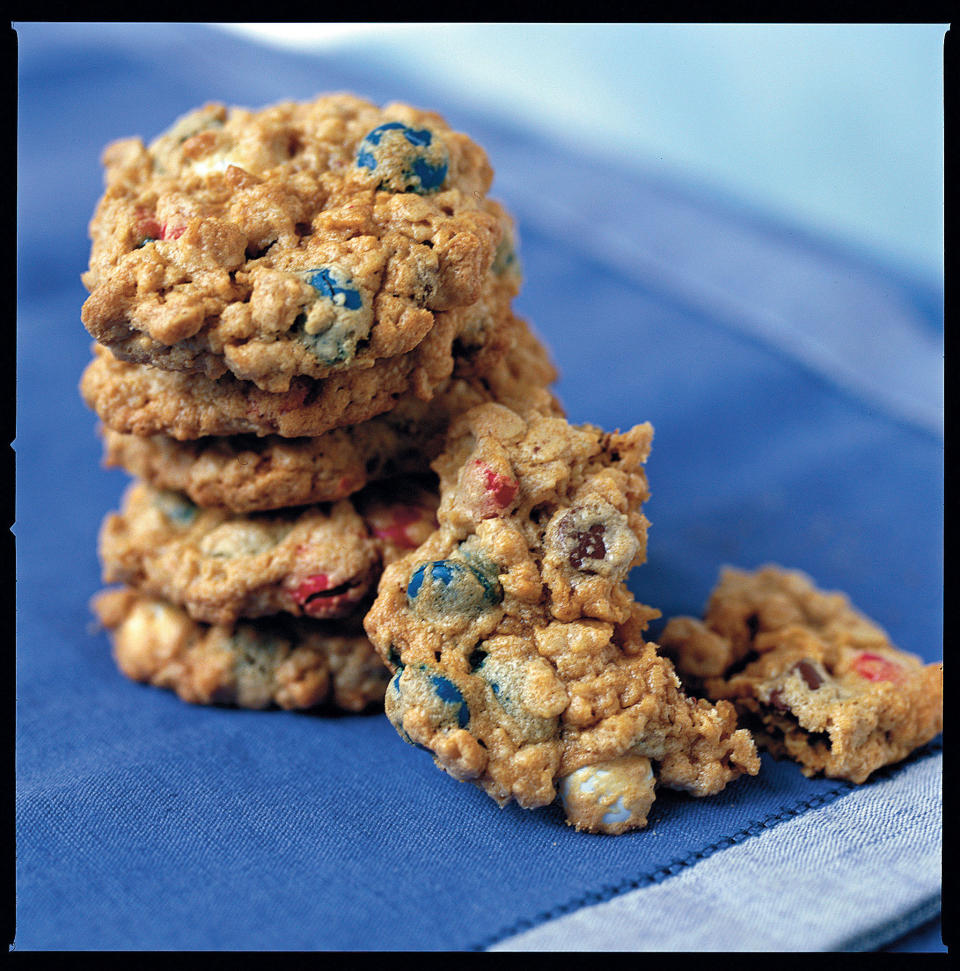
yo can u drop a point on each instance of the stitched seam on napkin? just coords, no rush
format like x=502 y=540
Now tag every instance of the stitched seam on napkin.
x=678 y=866
x=664 y=872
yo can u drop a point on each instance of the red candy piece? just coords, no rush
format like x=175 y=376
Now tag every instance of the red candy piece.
x=499 y=490
x=395 y=528
x=873 y=667
x=339 y=601
x=151 y=228
x=310 y=586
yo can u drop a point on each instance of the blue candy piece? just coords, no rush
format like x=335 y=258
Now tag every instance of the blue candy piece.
x=254 y=648
x=177 y=508
x=394 y=705
x=487 y=572
x=505 y=259
x=416 y=582
x=393 y=686
x=335 y=339
x=506 y=680
x=365 y=157
x=451 y=587
x=450 y=694
x=407 y=159
x=325 y=282
x=429 y=176
x=424 y=687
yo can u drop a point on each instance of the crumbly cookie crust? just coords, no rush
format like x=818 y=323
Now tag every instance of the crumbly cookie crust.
x=254 y=664
x=516 y=646
x=820 y=682
x=318 y=561
x=142 y=400
x=248 y=474
x=302 y=239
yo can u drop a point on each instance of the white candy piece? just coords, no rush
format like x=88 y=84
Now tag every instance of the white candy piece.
x=213 y=164
x=609 y=797
x=242 y=538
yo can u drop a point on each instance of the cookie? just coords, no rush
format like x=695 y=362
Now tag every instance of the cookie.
x=246 y=474
x=818 y=681
x=292 y=664
x=318 y=561
x=142 y=400
x=305 y=239
x=516 y=646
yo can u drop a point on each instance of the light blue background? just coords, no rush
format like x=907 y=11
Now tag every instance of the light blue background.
x=835 y=126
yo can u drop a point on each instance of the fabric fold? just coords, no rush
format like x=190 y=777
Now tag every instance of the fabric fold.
x=852 y=875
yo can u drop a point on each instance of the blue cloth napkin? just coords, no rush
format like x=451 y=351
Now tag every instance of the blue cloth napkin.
x=796 y=393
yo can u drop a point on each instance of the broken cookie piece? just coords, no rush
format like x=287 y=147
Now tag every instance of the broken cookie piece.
x=817 y=681
x=516 y=647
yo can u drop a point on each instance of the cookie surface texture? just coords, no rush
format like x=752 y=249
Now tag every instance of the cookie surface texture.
x=292 y=664
x=319 y=561
x=249 y=474
x=142 y=400
x=303 y=239
x=516 y=646
x=820 y=683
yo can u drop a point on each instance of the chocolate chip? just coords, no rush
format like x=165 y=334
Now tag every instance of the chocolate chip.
x=589 y=546
x=809 y=674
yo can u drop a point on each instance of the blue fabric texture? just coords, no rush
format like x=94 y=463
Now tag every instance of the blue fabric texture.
x=735 y=899
x=796 y=393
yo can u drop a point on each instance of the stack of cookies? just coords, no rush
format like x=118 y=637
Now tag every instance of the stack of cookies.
x=353 y=486
x=290 y=306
